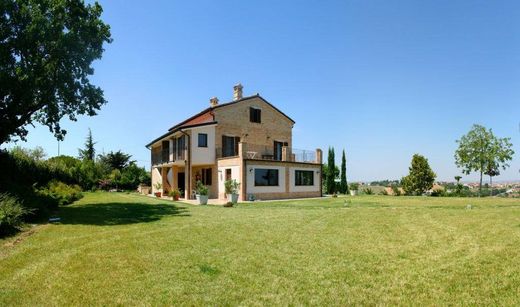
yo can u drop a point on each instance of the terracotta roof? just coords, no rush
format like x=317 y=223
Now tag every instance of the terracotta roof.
x=206 y=117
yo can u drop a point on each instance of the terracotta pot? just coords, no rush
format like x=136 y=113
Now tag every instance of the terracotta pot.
x=157 y=194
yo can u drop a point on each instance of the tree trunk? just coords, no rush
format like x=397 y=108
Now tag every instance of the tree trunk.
x=480 y=186
x=491 y=184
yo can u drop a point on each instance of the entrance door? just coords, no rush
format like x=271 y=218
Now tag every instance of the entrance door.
x=181 y=183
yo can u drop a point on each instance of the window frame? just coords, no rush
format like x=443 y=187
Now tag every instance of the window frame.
x=205 y=135
x=255 y=115
x=298 y=179
x=276 y=171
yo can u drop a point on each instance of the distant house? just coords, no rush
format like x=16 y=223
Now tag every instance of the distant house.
x=247 y=139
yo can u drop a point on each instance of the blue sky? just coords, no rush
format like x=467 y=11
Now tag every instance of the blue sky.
x=382 y=79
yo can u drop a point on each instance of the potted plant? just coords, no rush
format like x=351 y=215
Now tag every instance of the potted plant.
x=175 y=193
x=353 y=187
x=157 y=186
x=231 y=187
x=201 y=193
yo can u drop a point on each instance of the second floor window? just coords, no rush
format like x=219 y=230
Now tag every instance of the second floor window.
x=203 y=140
x=255 y=115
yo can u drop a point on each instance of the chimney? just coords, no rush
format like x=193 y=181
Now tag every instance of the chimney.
x=213 y=102
x=237 y=92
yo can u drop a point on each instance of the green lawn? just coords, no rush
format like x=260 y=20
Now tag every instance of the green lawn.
x=127 y=249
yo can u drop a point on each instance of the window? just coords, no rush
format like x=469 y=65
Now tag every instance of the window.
x=266 y=177
x=228 y=174
x=230 y=146
x=203 y=140
x=303 y=178
x=206 y=176
x=255 y=115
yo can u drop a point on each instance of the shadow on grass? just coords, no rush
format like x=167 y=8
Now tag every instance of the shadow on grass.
x=117 y=213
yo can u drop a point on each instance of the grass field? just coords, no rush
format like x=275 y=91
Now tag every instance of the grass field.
x=127 y=249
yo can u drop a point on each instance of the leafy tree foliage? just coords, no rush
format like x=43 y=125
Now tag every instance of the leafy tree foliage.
x=481 y=151
x=89 y=152
x=421 y=177
x=343 y=186
x=116 y=160
x=46 y=51
x=331 y=172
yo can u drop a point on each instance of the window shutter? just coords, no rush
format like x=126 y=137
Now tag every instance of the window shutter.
x=259 y=116
x=252 y=115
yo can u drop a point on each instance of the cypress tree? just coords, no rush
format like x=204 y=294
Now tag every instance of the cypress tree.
x=331 y=168
x=343 y=187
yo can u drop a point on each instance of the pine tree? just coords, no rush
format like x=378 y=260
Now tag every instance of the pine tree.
x=89 y=153
x=331 y=168
x=343 y=186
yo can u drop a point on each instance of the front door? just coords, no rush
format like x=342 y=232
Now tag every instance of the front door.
x=181 y=183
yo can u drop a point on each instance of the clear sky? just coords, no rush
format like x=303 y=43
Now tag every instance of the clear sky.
x=382 y=79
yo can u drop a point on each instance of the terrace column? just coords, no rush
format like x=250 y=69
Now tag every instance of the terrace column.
x=285 y=153
x=319 y=156
x=242 y=148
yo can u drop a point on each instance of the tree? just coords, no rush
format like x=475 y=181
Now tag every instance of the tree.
x=116 y=160
x=343 y=186
x=480 y=151
x=89 y=153
x=500 y=154
x=421 y=177
x=331 y=172
x=459 y=185
x=46 y=51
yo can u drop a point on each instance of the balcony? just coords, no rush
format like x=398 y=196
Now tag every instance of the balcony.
x=269 y=153
x=163 y=156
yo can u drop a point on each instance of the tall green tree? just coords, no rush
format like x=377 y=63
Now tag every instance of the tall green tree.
x=343 y=185
x=420 y=178
x=116 y=160
x=89 y=152
x=480 y=151
x=331 y=172
x=46 y=51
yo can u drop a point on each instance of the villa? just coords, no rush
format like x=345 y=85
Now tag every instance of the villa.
x=248 y=140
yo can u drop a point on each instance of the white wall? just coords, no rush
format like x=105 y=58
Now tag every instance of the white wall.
x=203 y=155
x=235 y=175
x=292 y=180
x=251 y=188
x=156 y=177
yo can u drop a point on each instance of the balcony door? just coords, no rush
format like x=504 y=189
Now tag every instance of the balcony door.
x=230 y=146
x=277 y=151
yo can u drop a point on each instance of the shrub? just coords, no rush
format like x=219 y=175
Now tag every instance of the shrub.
x=228 y=204
x=368 y=191
x=396 y=191
x=354 y=186
x=11 y=213
x=383 y=192
x=231 y=186
x=201 y=188
x=62 y=193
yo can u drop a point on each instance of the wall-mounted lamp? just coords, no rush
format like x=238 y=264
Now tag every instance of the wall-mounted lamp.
x=251 y=170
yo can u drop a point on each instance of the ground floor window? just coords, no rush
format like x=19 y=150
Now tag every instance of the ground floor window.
x=266 y=177
x=304 y=178
x=204 y=176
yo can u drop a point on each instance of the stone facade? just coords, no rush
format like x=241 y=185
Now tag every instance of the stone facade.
x=233 y=120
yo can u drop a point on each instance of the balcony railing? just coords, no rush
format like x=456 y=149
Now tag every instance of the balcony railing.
x=162 y=157
x=268 y=153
